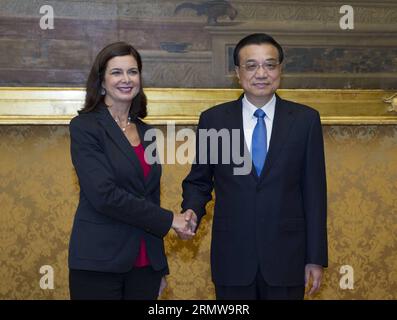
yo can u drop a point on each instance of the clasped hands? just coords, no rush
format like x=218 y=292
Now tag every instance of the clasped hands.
x=185 y=224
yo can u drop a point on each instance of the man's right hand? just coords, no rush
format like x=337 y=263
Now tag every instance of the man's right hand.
x=191 y=218
x=185 y=224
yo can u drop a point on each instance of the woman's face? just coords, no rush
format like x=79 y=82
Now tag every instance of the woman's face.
x=121 y=81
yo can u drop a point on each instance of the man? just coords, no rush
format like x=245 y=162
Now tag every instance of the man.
x=269 y=235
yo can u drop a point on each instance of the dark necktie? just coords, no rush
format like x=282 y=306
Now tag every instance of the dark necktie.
x=259 y=142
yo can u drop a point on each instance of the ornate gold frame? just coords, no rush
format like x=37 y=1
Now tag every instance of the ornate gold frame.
x=44 y=106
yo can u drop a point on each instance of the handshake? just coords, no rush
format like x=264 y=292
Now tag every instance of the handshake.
x=185 y=224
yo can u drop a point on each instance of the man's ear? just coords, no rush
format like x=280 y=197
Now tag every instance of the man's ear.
x=236 y=68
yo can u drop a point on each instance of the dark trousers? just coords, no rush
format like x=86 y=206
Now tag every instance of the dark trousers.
x=137 y=284
x=259 y=290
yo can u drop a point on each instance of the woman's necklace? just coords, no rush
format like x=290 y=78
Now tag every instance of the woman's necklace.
x=119 y=123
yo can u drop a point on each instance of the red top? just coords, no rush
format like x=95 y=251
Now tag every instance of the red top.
x=142 y=260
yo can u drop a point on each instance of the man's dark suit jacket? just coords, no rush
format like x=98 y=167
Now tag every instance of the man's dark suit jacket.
x=117 y=205
x=277 y=221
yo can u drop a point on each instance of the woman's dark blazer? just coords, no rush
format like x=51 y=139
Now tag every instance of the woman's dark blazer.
x=117 y=205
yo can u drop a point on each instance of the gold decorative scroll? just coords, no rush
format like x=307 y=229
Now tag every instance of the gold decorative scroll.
x=393 y=102
x=40 y=106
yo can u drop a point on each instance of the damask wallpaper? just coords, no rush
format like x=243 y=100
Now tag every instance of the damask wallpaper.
x=39 y=193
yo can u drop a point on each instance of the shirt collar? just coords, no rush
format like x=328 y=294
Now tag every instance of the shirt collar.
x=268 y=108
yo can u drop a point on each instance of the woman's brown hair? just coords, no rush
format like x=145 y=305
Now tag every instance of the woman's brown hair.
x=94 y=82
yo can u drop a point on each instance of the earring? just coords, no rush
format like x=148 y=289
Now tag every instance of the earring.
x=103 y=91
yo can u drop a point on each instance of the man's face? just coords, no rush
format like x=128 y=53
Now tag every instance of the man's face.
x=259 y=82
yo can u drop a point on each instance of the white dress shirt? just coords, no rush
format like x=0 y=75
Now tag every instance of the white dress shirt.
x=249 y=120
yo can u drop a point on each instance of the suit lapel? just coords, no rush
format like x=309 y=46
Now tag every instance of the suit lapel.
x=236 y=122
x=283 y=119
x=118 y=137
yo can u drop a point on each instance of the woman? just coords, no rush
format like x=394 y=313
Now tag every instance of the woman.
x=116 y=248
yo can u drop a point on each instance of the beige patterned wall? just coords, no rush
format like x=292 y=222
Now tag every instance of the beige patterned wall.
x=38 y=196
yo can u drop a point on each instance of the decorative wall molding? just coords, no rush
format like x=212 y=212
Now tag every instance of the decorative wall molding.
x=56 y=106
